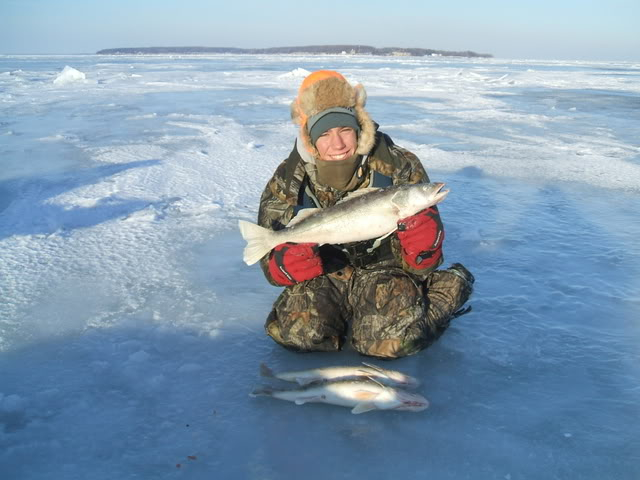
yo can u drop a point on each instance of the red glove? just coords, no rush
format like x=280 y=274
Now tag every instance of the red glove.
x=421 y=237
x=292 y=263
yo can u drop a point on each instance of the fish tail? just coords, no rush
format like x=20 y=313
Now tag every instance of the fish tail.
x=266 y=371
x=259 y=241
x=262 y=392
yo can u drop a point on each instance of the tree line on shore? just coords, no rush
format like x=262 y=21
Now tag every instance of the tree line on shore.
x=310 y=49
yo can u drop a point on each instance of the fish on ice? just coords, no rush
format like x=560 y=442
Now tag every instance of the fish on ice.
x=361 y=395
x=304 y=377
x=363 y=215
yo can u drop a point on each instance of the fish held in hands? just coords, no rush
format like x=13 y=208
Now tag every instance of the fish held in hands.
x=363 y=215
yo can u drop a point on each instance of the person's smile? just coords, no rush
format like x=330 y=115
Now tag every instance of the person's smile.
x=337 y=143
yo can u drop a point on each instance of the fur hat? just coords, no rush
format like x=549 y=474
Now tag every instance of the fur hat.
x=324 y=90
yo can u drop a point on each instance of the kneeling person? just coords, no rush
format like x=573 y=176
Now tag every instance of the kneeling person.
x=388 y=291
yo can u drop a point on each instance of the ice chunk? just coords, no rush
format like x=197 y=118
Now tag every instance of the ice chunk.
x=69 y=75
x=297 y=73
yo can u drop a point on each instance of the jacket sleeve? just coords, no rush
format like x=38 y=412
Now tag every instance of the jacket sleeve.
x=275 y=211
x=409 y=171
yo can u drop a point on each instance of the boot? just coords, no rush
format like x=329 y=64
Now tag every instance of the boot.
x=461 y=271
x=446 y=291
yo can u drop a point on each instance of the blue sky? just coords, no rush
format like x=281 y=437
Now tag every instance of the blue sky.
x=563 y=30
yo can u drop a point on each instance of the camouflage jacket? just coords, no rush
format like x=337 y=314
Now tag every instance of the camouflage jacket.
x=284 y=193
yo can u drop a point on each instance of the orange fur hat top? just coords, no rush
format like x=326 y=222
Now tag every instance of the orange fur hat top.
x=325 y=89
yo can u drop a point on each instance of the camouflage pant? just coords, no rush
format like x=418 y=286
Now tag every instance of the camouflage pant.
x=390 y=312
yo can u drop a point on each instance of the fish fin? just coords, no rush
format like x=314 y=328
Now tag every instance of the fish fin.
x=304 y=381
x=302 y=214
x=375 y=367
x=259 y=241
x=262 y=392
x=373 y=379
x=395 y=204
x=266 y=371
x=314 y=398
x=378 y=241
x=363 y=408
x=357 y=193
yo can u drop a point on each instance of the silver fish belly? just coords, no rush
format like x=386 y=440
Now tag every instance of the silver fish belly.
x=360 y=395
x=364 y=215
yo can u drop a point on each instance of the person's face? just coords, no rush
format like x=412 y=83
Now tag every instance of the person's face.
x=337 y=143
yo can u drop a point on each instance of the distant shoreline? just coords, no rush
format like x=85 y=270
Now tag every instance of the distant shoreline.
x=309 y=50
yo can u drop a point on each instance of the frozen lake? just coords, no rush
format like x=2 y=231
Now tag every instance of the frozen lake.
x=131 y=330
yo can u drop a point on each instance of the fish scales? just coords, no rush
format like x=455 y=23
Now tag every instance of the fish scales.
x=366 y=214
x=371 y=212
x=366 y=370
x=362 y=395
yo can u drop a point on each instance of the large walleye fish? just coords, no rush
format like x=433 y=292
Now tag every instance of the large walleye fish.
x=363 y=215
x=366 y=370
x=363 y=395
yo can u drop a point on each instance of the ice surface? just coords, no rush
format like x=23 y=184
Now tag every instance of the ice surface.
x=131 y=330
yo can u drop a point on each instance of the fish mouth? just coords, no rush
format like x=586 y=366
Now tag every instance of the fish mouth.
x=409 y=383
x=416 y=404
x=413 y=405
x=439 y=194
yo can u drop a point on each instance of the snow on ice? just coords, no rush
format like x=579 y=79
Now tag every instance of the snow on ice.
x=131 y=330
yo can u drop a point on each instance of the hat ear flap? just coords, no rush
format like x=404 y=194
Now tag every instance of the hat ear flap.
x=299 y=118
x=361 y=95
x=296 y=115
x=367 y=137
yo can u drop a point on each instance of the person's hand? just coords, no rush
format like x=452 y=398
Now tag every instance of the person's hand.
x=292 y=263
x=421 y=237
